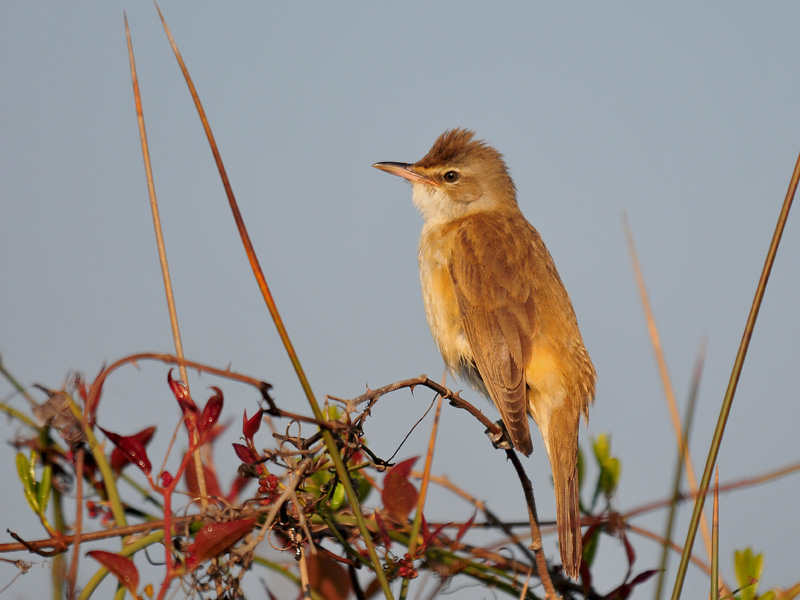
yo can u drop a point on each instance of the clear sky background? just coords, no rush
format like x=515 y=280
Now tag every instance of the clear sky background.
x=686 y=117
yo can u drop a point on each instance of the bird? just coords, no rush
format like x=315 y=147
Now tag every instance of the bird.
x=498 y=310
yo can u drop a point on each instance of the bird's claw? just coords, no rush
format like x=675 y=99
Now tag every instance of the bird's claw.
x=499 y=440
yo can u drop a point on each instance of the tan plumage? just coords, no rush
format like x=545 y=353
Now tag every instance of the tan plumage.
x=498 y=310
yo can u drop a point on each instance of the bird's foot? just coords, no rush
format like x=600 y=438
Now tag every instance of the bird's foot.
x=500 y=440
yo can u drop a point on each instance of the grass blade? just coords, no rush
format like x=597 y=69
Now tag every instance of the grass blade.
x=734 y=379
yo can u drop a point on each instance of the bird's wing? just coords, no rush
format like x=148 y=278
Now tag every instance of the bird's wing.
x=498 y=314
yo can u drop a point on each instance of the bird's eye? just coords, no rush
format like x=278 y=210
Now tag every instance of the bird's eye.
x=451 y=176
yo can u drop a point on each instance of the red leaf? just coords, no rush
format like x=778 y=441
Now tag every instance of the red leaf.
x=119 y=458
x=80 y=386
x=215 y=538
x=188 y=407
x=245 y=454
x=630 y=553
x=465 y=527
x=239 y=483
x=429 y=537
x=385 y=539
x=643 y=576
x=211 y=412
x=426 y=532
x=251 y=426
x=214 y=433
x=132 y=449
x=327 y=577
x=122 y=568
x=212 y=483
x=399 y=495
x=402 y=469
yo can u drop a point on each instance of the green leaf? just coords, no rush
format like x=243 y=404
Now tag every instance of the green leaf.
x=602 y=448
x=332 y=413
x=748 y=567
x=609 y=476
x=22 y=470
x=363 y=488
x=43 y=489
x=32 y=465
x=28 y=481
x=337 y=496
x=610 y=468
x=590 y=547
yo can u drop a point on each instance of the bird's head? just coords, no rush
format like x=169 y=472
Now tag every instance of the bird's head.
x=459 y=176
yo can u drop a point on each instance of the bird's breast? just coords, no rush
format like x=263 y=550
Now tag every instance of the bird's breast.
x=439 y=297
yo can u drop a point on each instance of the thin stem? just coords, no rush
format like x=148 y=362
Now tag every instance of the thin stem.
x=734 y=379
x=162 y=251
x=13 y=381
x=109 y=481
x=676 y=482
x=734 y=485
x=330 y=443
x=698 y=562
x=423 y=494
x=661 y=361
x=72 y=578
x=715 y=540
x=536 y=535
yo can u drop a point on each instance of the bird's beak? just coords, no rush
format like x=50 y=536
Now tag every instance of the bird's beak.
x=406 y=171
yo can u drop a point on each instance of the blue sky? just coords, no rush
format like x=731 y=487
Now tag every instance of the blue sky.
x=685 y=117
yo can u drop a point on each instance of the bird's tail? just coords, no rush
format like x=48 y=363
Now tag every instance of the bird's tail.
x=562 y=448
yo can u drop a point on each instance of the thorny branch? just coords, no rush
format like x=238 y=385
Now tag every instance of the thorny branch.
x=454 y=398
x=496 y=432
x=296 y=514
